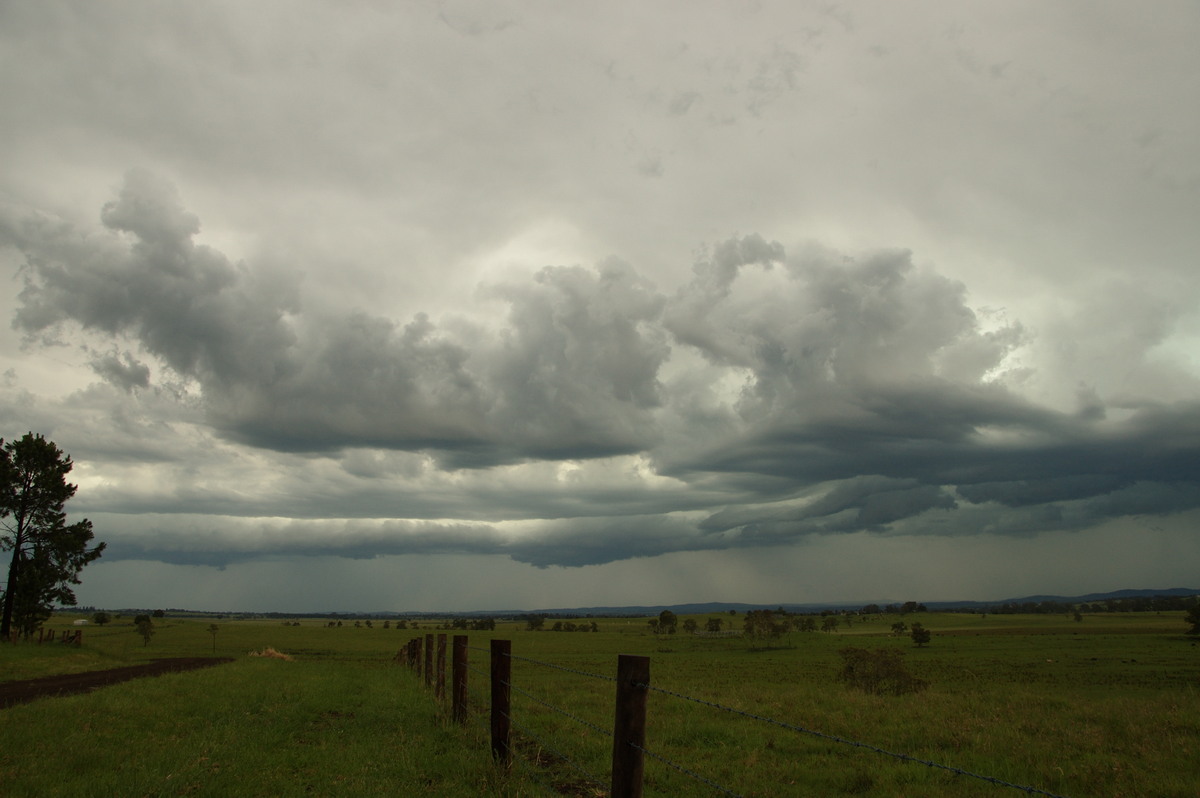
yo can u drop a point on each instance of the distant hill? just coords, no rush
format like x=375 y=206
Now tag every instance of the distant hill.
x=718 y=608
x=703 y=608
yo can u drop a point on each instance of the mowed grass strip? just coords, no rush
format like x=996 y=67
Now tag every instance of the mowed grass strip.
x=255 y=727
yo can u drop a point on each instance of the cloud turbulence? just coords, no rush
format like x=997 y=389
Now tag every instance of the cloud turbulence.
x=416 y=379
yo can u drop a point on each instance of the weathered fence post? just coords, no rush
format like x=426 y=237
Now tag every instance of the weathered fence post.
x=629 y=725
x=428 y=659
x=458 y=679
x=501 y=725
x=440 y=692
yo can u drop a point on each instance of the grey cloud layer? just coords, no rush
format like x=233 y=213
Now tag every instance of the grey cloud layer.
x=789 y=393
x=573 y=374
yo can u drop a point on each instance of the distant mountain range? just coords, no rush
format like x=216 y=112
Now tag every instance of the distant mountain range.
x=712 y=607
x=718 y=607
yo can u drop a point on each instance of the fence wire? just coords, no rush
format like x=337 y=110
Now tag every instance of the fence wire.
x=721 y=707
x=686 y=772
x=854 y=743
x=559 y=710
x=563 y=668
x=525 y=731
x=591 y=777
x=676 y=766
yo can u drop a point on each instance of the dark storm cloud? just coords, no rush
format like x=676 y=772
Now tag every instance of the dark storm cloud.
x=124 y=371
x=572 y=375
x=157 y=538
x=594 y=541
x=851 y=505
x=779 y=394
x=185 y=303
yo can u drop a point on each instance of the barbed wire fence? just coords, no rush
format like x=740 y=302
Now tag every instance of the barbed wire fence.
x=542 y=751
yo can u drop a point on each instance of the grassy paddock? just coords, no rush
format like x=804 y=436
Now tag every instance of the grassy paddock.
x=1106 y=706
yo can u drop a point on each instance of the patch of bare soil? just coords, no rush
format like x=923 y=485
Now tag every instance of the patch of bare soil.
x=69 y=683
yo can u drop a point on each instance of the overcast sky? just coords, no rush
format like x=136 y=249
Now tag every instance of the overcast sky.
x=367 y=306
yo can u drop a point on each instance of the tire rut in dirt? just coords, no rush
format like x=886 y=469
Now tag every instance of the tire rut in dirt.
x=21 y=692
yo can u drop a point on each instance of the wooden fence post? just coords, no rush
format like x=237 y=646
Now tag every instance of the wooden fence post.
x=458 y=679
x=629 y=725
x=429 y=659
x=440 y=692
x=416 y=644
x=501 y=696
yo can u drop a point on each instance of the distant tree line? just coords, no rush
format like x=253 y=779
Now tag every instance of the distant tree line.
x=1128 y=604
x=536 y=622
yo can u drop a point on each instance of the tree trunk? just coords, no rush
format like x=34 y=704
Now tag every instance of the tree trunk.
x=10 y=590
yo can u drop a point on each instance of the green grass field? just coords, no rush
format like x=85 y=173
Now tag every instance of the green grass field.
x=1107 y=706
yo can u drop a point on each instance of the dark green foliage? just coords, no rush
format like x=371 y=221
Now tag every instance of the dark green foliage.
x=101 y=618
x=47 y=553
x=763 y=625
x=878 y=672
x=920 y=635
x=1193 y=617
x=145 y=628
x=473 y=624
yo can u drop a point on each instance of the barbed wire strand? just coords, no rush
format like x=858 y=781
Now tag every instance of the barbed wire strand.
x=855 y=743
x=531 y=772
x=686 y=772
x=559 y=710
x=563 y=757
x=563 y=668
x=483 y=727
x=782 y=724
x=608 y=733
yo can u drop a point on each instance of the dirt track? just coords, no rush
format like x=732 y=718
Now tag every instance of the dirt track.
x=21 y=692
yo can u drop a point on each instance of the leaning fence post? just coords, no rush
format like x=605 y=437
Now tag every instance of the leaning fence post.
x=440 y=692
x=629 y=725
x=501 y=724
x=458 y=679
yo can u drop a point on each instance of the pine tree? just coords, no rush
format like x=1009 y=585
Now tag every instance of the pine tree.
x=47 y=553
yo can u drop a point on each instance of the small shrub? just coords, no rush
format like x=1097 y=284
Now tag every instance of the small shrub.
x=878 y=672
